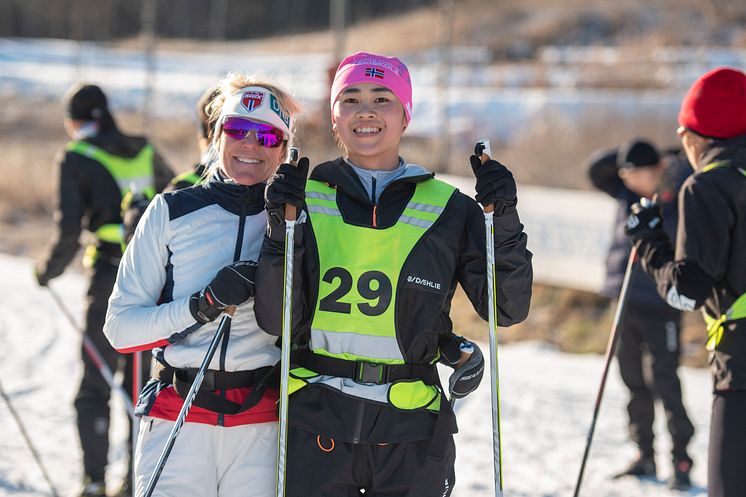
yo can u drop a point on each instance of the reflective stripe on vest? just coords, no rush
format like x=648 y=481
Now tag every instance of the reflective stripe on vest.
x=131 y=174
x=359 y=271
x=716 y=327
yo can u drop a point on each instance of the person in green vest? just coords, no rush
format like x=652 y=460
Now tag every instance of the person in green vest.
x=706 y=267
x=135 y=205
x=204 y=138
x=380 y=246
x=96 y=170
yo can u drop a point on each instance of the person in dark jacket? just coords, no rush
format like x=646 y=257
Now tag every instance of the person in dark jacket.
x=136 y=204
x=649 y=334
x=204 y=138
x=97 y=168
x=706 y=267
x=380 y=248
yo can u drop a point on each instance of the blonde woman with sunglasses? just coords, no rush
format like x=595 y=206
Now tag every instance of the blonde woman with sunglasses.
x=191 y=257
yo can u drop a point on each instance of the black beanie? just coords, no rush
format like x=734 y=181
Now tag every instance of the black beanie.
x=637 y=153
x=86 y=102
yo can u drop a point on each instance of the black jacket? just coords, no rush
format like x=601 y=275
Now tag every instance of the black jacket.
x=451 y=252
x=89 y=197
x=604 y=174
x=708 y=264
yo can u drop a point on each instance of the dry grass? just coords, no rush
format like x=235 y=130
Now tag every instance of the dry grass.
x=516 y=28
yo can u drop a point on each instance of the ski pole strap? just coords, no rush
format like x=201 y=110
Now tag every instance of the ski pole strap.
x=182 y=379
x=716 y=326
x=363 y=371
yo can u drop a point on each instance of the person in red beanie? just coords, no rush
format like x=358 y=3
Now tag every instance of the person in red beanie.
x=707 y=266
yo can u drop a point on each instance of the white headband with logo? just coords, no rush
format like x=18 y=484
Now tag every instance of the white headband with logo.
x=258 y=104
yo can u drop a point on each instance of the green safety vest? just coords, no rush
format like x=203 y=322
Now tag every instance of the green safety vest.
x=359 y=270
x=132 y=175
x=716 y=326
x=189 y=177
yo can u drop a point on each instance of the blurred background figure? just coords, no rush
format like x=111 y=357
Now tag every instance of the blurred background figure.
x=649 y=342
x=705 y=266
x=96 y=170
x=139 y=202
x=204 y=137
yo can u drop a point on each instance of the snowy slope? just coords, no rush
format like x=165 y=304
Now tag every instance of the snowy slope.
x=547 y=402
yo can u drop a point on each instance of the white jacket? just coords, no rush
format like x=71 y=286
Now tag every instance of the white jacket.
x=182 y=241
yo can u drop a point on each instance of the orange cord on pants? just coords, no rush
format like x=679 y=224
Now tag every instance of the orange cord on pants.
x=318 y=442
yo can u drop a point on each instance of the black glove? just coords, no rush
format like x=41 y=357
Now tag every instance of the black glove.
x=466 y=377
x=287 y=186
x=41 y=276
x=137 y=204
x=495 y=185
x=645 y=222
x=232 y=285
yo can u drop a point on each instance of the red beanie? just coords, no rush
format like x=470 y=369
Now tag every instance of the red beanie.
x=715 y=105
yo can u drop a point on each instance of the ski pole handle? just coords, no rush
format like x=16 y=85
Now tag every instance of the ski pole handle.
x=291 y=212
x=484 y=152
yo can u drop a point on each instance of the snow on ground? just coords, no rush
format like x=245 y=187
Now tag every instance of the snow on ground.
x=547 y=403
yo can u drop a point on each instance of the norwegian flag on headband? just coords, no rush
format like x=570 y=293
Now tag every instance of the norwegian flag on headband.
x=252 y=100
x=372 y=72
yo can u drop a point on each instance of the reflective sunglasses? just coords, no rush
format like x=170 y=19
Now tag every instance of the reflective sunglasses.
x=265 y=135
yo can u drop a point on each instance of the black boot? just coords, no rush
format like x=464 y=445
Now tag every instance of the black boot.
x=680 y=479
x=642 y=467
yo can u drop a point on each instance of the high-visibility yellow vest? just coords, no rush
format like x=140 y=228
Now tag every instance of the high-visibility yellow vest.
x=359 y=271
x=189 y=176
x=131 y=174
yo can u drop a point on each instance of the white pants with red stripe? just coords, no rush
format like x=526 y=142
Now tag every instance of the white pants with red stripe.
x=206 y=460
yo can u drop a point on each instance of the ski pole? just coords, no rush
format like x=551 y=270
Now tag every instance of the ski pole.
x=189 y=399
x=291 y=215
x=483 y=151
x=610 y=349
x=136 y=388
x=30 y=445
x=95 y=356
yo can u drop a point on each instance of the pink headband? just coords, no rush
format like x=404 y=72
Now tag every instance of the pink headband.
x=388 y=72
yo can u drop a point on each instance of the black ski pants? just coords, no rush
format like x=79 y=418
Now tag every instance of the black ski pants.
x=726 y=468
x=321 y=467
x=648 y=353
x=92 y=400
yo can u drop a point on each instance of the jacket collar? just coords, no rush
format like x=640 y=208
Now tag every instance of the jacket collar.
x=236 y=199
x=732 y=151
x=338 y=174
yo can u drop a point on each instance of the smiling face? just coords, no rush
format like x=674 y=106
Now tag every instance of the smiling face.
x=245 y=161
x=369 y=121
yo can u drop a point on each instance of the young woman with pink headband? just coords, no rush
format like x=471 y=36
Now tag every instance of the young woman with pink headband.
x=380 y=247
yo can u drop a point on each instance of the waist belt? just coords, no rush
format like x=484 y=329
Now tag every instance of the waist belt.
x=182 y=379
x=363 y=371
x=376 y=373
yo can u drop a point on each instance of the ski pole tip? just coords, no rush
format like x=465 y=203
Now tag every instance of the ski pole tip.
x=293 y=155
x=482 y=149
